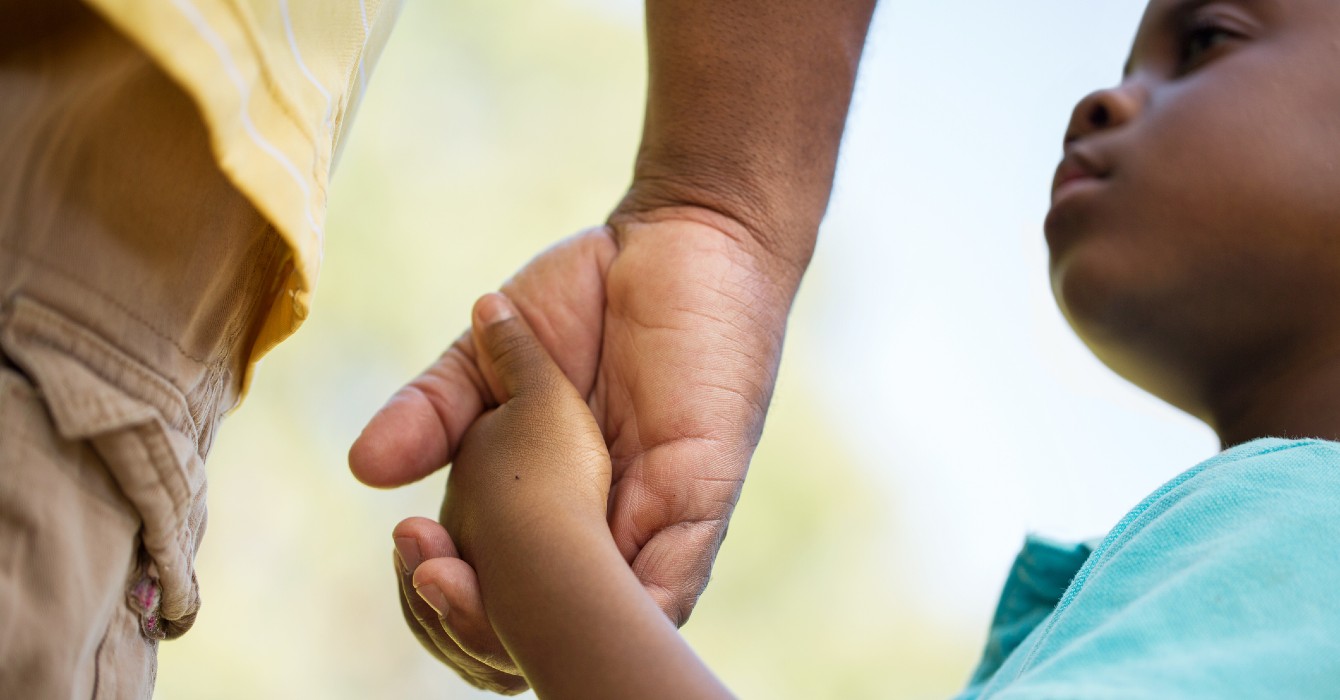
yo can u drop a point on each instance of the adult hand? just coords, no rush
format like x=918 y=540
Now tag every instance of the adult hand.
x=670 y=323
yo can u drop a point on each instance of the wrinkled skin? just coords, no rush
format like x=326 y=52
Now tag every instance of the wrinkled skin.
x=670 y=321
x=672 y=328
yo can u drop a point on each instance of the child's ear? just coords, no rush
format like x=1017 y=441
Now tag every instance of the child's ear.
x=509 y=355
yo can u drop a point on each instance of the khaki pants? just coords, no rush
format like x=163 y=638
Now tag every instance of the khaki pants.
x=133 y=278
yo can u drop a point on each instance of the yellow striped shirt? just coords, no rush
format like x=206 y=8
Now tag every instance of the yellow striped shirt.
x=276 y=82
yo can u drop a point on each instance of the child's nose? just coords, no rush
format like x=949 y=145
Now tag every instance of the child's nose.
x=1102 y=110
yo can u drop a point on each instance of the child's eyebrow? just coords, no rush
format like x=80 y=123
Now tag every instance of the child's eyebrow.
x=1172 y=18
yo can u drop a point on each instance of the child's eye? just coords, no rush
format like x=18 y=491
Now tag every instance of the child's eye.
x=1199 y=42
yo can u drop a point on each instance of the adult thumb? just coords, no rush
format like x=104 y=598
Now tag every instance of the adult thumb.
x=511 y=358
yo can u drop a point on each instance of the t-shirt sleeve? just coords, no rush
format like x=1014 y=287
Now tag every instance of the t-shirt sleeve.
x=1224 y=584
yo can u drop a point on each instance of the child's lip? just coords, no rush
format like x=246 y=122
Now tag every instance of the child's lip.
x=1079 y=172
x=1075 y=167
x=1066 y=185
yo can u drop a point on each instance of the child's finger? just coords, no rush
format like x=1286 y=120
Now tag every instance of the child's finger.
x=510 y=356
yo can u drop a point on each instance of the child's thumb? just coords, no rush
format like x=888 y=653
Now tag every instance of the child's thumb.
x=512 y=359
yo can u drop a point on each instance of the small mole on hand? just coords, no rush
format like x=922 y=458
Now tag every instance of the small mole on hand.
x=517 y=477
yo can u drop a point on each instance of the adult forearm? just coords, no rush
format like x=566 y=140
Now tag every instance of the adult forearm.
x=746 y=105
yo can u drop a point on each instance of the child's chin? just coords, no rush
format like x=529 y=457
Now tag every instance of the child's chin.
x=1103 y=291
x=1085 y=281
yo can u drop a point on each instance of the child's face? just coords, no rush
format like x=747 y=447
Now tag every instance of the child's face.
x=1195 y=228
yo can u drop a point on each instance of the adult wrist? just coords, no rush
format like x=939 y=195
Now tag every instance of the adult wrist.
x=779 y=248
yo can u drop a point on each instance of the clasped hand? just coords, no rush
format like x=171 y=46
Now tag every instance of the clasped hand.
x=669 y=331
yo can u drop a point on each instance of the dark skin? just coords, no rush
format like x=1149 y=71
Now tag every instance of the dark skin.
x=1195 y=235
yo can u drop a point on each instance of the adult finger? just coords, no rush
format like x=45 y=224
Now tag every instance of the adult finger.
x=675 y=564
x=428 y=612
x=423 y=621
x=417 y=431
x=451 y=586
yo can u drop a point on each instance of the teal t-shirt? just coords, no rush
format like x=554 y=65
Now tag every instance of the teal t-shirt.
x=1224 y=583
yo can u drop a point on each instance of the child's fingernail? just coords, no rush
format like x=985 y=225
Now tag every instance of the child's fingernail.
x=494 y=308
x=407 y=548
x=432 y=595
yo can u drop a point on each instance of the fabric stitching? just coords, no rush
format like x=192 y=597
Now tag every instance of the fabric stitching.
x=151 y=441
x=120 y=306
x=1119 y=536
x=274 y=249
x=130 y=366
x=146 y=443
x=97 y=660
x=139 y=440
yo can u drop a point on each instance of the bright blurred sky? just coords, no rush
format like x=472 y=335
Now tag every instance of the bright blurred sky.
x=959 y=383
x=925 y=353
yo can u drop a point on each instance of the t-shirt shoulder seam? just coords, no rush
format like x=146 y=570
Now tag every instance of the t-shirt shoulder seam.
x=1131 y=519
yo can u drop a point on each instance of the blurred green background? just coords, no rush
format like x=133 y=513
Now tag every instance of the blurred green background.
x=881 y=510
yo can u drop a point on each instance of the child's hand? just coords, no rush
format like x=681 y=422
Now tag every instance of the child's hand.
x=536 y=465
x=529 y=474
x=525 y=507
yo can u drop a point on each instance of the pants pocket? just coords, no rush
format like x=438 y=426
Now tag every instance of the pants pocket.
x=101 y=398
x=68 y=547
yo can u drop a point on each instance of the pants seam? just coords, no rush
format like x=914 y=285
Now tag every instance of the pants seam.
x=154 y=384
x=122 y=307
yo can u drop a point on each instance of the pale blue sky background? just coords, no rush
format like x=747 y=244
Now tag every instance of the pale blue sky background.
x=960 y=384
